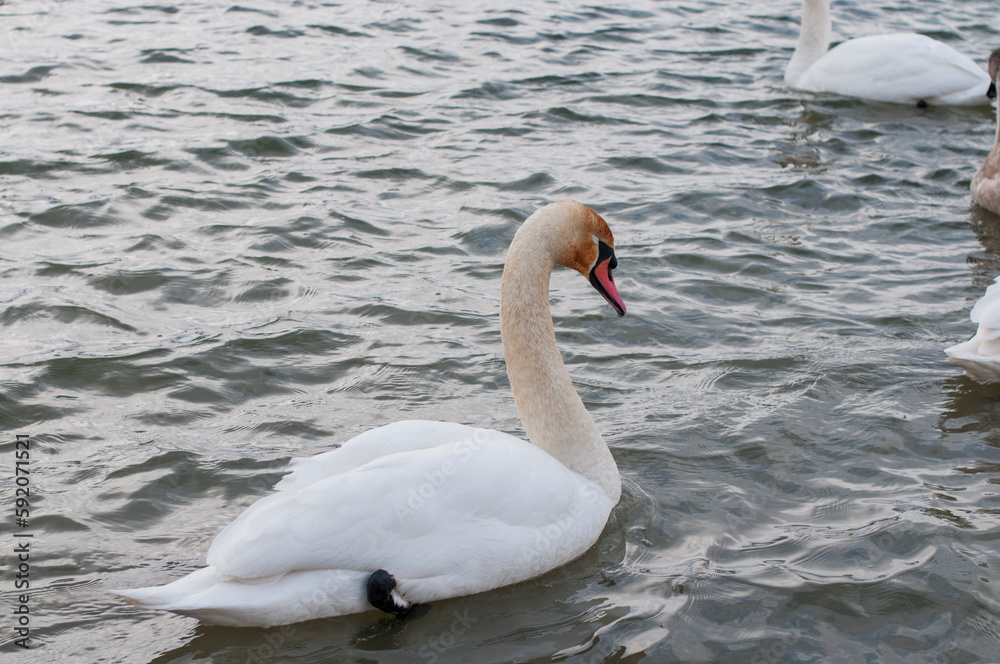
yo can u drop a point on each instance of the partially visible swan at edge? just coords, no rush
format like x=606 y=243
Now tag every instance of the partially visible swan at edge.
x=418 y=511
x=898 y=67
x=980 y=355
x=986 y=183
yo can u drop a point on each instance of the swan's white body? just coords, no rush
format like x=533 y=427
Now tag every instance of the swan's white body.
x=985 y=187
x=980 y=355
x=447 y=509
x=899 y=67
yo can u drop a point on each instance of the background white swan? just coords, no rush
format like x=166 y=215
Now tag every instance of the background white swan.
x=985 y=186
x=980 y=355
x=418 y=511
x=899 y=67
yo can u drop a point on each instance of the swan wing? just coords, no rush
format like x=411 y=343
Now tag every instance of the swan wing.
x=445 y=519
x=900 y=67
x=403 y=436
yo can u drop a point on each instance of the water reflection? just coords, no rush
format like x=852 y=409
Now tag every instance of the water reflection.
x=970 y=407
x=986 y=226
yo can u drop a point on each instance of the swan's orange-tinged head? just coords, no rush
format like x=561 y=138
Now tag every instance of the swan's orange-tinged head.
x=587 y=245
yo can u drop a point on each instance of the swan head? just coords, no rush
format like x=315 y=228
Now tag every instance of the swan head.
x=584 y=243
x=994 y=68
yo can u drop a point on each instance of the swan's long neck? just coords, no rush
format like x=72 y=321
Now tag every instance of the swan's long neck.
x=995 y=152
x=554 y=417
x=991 y=165
x=814 y=39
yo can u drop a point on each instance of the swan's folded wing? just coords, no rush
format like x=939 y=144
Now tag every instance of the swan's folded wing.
x=404 y=436
x=421 y=513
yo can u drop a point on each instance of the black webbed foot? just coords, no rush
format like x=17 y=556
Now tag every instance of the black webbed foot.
x=380 y=589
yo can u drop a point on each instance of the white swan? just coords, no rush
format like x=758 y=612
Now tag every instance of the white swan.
x=980 y=355
x=986 y=182
x=899 y=67
x=419 y=511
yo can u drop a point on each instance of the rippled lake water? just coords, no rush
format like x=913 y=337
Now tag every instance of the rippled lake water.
x=234 y=234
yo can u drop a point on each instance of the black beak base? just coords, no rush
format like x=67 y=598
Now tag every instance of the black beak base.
x=992 y=92
x=606 y=254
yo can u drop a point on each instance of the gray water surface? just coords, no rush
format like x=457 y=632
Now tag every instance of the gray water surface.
x=235 y=234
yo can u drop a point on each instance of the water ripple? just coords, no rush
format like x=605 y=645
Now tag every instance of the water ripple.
x=234 y=234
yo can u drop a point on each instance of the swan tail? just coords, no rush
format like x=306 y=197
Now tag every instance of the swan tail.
x=216 y=599
x=172 y=596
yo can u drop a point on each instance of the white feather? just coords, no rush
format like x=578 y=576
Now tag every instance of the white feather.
x=447 y=509
x=980 y=355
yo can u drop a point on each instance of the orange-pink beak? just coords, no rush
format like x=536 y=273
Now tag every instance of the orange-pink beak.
x=602 y=279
